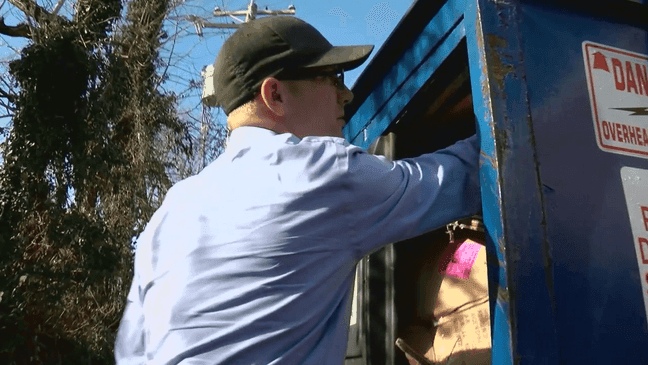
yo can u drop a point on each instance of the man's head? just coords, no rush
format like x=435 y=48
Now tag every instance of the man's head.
x=281 y=73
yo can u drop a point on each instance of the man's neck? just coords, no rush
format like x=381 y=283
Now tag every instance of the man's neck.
x=256 y=121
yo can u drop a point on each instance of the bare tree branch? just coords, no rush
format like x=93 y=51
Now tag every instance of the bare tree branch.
x=58 y=7
x=20 y=30
x=32 y=10
x=169 y=61
x=10 y=97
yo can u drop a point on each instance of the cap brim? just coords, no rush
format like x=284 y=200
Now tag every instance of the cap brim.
x=344 y=57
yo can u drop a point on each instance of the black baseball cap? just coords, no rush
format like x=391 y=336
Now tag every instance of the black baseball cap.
x=271 y=46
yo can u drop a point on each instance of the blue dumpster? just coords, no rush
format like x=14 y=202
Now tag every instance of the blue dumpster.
x=558 y=92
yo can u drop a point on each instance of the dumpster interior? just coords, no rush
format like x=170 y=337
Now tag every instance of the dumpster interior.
x=439 y=318
x=441 y=113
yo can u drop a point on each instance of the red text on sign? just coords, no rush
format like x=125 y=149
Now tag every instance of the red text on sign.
x=625 y=133
x=643 y=249
x=629 y=78
x=644 y=215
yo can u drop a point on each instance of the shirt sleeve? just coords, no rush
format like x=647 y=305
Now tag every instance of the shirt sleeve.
x=397 y=200
x=129 y=345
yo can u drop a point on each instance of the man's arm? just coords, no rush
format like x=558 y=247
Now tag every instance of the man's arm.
x=398 y=200
x=129 y=345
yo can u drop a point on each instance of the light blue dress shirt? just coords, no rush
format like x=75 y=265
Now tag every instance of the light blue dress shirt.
x=252 y=261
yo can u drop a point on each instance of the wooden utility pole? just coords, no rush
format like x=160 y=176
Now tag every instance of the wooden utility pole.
x=250 y=14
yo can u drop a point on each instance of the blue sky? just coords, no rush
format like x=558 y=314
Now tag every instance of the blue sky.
x=347 y=22
x=342 y=22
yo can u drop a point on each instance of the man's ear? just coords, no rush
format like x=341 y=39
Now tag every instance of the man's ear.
x=273 y=94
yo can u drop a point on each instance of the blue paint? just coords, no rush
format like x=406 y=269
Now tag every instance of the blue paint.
x=402 y=97
x=563 y=278
x=568 y=280
x=501 y=351
x=601 y=317
x=432 y=37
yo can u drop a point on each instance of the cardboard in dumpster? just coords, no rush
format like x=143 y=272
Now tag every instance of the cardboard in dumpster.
x=455 y=291
x=463 y=337
x=460 y=311
x=457 y=260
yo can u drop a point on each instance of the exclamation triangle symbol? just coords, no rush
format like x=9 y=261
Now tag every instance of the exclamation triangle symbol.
x=600 y=62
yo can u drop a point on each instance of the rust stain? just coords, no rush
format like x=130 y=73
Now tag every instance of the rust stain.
x=502 y=294
x=500 y=69
x=487 y=158
x=485 y=88
x=502 y=247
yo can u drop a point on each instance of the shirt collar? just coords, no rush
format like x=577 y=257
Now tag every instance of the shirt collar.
x=246 y=136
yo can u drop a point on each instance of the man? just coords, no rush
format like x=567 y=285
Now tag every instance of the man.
x=252 y=260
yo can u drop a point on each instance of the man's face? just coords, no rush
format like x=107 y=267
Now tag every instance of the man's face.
x=318 y=104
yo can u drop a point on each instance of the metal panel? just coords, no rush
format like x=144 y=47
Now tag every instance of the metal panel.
x=565 y=286
x=372 y=332
x=501 y=329
x=377 y=272
x=382 y=107
x=600 y=317
x=520 y=270
x=564 y=282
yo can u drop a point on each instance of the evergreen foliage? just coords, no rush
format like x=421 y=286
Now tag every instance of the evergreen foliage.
x=83 y=172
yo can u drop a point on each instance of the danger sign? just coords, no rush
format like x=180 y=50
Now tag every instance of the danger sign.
x=635 y=189
x=618 y=87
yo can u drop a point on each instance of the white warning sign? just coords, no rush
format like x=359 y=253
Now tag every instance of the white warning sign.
x=635 y=188
x=618 y=87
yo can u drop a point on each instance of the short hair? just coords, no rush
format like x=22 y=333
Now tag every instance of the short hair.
x=237 y=116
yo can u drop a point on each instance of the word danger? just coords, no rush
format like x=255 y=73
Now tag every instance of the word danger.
x=623 y=133
x=630 y=76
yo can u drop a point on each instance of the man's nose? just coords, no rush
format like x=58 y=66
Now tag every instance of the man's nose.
x=345 y=95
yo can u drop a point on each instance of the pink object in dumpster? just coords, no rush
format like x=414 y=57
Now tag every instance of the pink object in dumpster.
x=459 y=258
